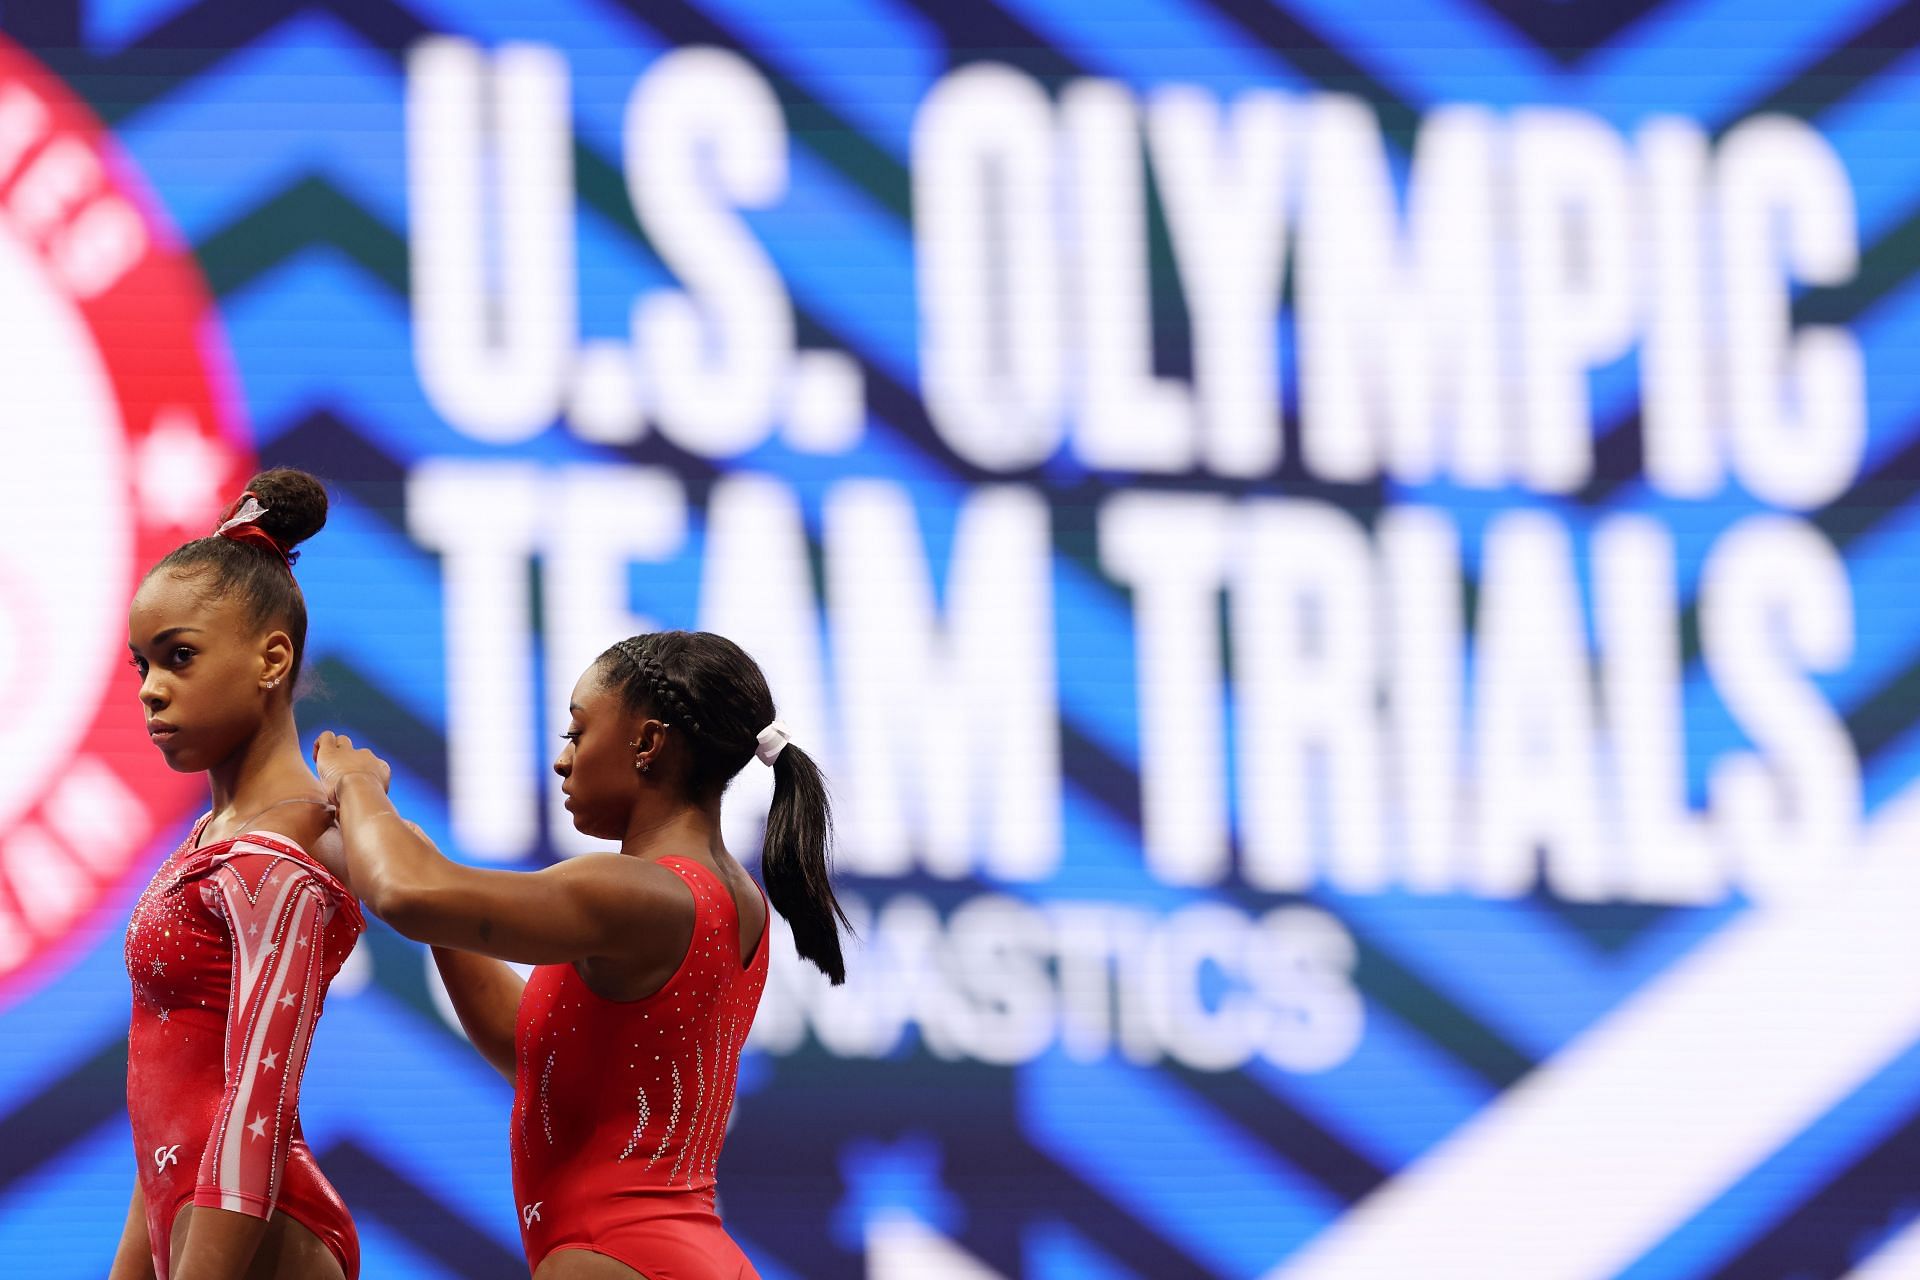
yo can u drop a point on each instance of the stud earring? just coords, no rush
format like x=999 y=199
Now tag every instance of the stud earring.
x=274 y=683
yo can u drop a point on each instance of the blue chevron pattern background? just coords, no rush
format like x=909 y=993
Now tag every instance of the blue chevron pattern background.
x=272 y=132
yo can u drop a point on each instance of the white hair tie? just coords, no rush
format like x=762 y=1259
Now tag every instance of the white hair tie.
x=247 y=512
x=771 y=741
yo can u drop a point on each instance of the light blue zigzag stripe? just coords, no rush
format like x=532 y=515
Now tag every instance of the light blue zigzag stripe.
x=308 y=98
x=1480 y=59
x=606 y=49
x=1709 y=58
x=1172 y=1162
x=1892 y=768
x=88 y=1005
x=1886 y=612
x=1392 y=1100
x=872 y=61
x=375 y=603
x=1053 y=1250
x=270 y=323
x=1878 y=563
x=1473 y=950
x=64 y=1219
x=1879 y=568
x=111 y=25
x=1874 y=132
x=1149 y=43
x=1887 y=333
x=614 y=270
x=270 y=320
x=423 y=1070
x=1657 y=65
x=849 y=262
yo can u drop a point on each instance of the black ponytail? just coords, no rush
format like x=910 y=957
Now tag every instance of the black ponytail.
x=708 y=686
x=794 y=861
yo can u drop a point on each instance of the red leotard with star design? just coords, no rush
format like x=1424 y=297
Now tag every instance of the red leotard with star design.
x=231 y=949
x=620 y=1107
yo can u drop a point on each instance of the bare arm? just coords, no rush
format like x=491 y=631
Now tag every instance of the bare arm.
x=486 y=996
x=596 y=906
x=133 y=1260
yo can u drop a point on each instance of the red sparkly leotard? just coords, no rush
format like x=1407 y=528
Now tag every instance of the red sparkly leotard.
x=620 y=1107
x=230 y=950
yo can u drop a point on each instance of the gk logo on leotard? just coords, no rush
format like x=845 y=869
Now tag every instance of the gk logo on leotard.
x=530 y=1214
x=118 y=448
x=164 y=1156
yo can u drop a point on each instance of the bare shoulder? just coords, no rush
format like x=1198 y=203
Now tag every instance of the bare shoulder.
x=311 y=827
x=647 y=916
x=330 y=851
x=300 y=819
x=645 y=888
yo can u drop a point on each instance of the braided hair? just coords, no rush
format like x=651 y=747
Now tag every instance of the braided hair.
x=296 y=509
x=707 y=686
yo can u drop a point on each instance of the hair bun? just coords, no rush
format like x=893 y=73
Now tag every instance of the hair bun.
x=296 y=505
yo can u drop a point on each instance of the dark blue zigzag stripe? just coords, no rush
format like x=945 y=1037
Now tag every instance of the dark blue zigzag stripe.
x=186 y=46
x=1832 y=1231
x=376 y=1190
x=76 y=1103
x=980 y=1134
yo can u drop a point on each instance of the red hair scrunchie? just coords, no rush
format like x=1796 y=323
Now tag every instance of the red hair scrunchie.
x=237 y=525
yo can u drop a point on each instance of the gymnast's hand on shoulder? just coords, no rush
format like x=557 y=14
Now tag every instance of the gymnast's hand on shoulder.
x=336 y=759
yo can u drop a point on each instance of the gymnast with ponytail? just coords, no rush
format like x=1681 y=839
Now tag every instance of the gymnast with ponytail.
x=623 y=1045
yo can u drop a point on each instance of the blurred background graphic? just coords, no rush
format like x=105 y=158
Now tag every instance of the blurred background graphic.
x=1353 y=568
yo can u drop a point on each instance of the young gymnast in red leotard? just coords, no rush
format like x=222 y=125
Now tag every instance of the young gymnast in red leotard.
x=624 y=1045
x=231 y=947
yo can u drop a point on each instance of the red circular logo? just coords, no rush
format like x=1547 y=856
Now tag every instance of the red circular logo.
x=120 y=438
